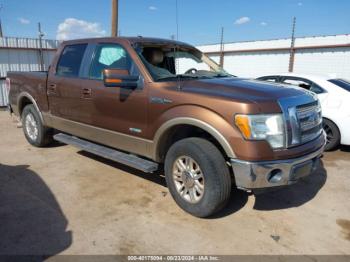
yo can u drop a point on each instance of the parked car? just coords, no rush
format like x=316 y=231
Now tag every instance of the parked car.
x=145 y=102
x=334 y=95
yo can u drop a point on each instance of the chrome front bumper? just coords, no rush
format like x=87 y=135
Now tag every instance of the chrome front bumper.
x=257 y=175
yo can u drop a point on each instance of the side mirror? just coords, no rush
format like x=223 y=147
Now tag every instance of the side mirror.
x=119 y=78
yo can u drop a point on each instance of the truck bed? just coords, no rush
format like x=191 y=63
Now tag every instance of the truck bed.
x=32 y=83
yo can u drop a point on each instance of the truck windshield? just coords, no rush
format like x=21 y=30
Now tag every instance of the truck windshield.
x=170 y=63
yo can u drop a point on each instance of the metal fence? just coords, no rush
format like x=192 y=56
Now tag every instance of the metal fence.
x=22 y=54
x=321 y=55
x=27 y=43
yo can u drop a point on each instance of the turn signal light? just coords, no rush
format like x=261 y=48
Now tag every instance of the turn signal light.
x=242 y=122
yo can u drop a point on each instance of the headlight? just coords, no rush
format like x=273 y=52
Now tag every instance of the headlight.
x=262 y=127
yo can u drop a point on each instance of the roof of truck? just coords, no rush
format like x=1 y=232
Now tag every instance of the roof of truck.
x=132 y=40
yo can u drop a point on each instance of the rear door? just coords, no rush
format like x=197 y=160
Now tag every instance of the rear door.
x=64 y=88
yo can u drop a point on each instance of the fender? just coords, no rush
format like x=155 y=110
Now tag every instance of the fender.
x=27 y=95
x=197 y=121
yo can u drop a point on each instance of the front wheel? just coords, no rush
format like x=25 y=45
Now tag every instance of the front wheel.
x=35 y=132
x=197 y=176
x=332 y=133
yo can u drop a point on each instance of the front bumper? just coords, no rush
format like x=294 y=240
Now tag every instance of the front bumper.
x=265 y=174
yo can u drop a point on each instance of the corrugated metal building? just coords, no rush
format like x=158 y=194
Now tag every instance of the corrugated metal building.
x=325 y=55
x=22 y=54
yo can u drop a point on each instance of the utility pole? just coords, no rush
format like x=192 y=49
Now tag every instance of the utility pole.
x=114 y=19
x=222 y=48
x=1 y=34
x=292 y=48
x=177 y=19
x=41 y=54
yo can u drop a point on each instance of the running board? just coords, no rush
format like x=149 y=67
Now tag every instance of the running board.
x=109 y=153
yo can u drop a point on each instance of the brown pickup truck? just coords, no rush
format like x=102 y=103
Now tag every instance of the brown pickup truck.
x=146 y=102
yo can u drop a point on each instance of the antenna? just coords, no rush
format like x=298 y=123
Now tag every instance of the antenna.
x=292 y=49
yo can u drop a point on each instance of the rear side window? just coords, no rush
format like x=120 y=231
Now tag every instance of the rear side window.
x=70 y=60
x=345 y=84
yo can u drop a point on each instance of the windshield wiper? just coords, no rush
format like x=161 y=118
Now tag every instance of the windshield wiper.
x=223 y=75
x=177 y=77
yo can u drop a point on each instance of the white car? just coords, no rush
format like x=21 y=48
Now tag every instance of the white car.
x=334 y=95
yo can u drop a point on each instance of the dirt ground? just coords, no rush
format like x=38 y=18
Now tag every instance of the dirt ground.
x=59 y=200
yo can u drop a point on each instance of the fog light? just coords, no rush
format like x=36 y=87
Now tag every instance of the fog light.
x=275 y=176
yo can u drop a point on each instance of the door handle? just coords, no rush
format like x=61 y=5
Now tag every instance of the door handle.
x=51 y=89
x=86 y=92
x=52 y=86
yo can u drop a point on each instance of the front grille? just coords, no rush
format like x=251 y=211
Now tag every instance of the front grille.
x=310 y=121
x=303 y=118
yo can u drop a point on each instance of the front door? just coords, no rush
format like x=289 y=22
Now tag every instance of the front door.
x=118 y=109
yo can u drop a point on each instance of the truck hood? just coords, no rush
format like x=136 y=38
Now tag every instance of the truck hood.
x=242 y=89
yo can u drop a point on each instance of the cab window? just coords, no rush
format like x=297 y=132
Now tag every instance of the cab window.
x=70 y=60
x=109 y=56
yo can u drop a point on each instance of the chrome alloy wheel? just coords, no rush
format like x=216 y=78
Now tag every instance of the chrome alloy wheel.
x=188 y=179
x=31 y=127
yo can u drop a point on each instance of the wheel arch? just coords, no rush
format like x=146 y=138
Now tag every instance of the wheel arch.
x=181 y=127
x=25 y=99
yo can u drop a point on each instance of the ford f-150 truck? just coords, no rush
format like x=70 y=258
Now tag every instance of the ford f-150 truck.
x=148 y=102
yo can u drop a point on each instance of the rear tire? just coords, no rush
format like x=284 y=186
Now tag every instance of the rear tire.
x=35 y=132
x=197 y=176
x=333 y=135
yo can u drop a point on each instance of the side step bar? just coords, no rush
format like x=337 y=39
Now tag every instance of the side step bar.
x=109 y=153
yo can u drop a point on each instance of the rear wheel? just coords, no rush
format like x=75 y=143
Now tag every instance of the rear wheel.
x=332 y=133
x=197 y=176
x=35 y=132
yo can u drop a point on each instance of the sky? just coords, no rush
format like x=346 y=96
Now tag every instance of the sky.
x=200 y=21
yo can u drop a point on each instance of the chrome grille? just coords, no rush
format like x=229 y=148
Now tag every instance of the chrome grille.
x=310 y=121
x=303 y=119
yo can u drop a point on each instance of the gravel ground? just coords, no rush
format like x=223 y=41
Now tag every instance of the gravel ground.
x=59 y=200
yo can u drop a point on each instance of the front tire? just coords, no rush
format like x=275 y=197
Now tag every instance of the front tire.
x=35 y=132
x=197 y=176
x=332 y=133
